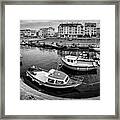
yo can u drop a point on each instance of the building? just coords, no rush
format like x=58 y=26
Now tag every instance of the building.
x=90 y=30
x=28 y=33
x=42 y=32
x=70 y=30
x=46 y=32
x=33 y=34
x=25 y=33
x=50 y=32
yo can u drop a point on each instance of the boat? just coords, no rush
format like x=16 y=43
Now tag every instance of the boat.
x=78 y=63
x=52 y=78
x=97 y=49
x=23 y=43
x=94 y=48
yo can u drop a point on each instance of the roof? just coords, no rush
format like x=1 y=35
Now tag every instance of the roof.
x=90 y=24
x=58 y=75
x=71 y=57
x=70 y=24
x=47 y=28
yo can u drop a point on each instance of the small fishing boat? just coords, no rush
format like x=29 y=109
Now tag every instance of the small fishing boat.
x=52 y=78
x=97 y=49
x=23 y=43
x=78 y=63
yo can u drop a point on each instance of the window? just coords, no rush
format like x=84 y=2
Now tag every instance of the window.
x=50 y=80
x=68 y=60
x=59 y=82
x=66 y=79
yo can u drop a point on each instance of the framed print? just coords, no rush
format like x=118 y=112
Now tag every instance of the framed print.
x=59 y=60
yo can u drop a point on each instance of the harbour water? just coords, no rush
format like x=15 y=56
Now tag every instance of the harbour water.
x=50 y=58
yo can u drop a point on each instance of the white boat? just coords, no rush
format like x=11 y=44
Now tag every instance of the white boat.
x=97 y=49
x=52 y=78
x=78 y=63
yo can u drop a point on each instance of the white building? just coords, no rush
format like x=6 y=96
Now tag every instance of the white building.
x=70 y=30
x=28 y=33
x=46 y=32
x=33 y=33
x=25 y=33
x=50 y=32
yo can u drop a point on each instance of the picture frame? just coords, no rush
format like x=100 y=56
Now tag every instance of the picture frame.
x=70 y=2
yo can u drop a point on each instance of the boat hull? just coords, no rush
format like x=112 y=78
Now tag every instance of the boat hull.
x=78 y=68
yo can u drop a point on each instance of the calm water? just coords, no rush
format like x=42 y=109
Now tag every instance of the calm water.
x=44 y=58
x=50 y=58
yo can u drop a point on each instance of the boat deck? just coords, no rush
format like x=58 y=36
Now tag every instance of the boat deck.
x=41 y=75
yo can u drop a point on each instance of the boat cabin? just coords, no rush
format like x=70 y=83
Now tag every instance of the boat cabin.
x=57 y=77
x=71 y=59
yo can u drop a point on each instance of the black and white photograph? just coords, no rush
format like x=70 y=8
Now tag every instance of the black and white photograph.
x=59 y=59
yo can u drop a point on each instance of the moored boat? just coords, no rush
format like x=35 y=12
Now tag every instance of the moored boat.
x=52 y=78
x=78 y=63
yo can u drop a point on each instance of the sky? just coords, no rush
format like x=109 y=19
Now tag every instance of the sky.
x=37 y=24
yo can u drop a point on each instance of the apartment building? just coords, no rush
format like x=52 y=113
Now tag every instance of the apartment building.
x=70 y=30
